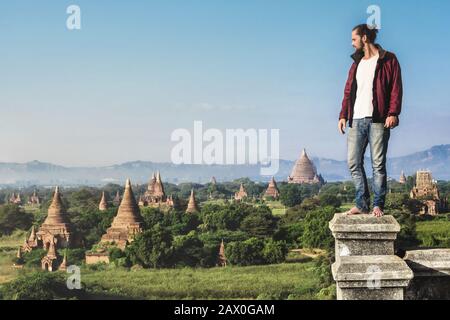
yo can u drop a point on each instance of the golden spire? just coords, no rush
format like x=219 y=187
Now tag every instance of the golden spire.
x=32 y=237
x=192 y=205
x=56 y=211
x=103 y=205
x=128 y=209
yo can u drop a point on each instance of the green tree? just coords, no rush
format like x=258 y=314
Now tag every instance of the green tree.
x=274 y=251
x=152 y=248
x=259 y=224
x=245 y=253
x=12 y=217
x=290 y=195
x=316 y=233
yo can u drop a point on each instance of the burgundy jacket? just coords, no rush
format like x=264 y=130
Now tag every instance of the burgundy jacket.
x=387 y=87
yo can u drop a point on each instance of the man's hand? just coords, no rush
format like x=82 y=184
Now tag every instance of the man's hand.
x=391 y=122
x=342 y=125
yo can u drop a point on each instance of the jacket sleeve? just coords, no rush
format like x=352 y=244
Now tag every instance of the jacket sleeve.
x=347 y=91
x=395 y=103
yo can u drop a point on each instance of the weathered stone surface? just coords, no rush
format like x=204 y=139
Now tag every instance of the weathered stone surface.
x=97 y=257
x=431 y=274
x=363 y=235
x=371 y=277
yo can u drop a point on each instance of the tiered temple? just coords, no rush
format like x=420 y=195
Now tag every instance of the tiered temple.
x=34 y=199
x=127 y=223
x=155 y=195
x=426 y=190
x=56 y=227
x=117 y=199
x=192 y=205
x=31 y=242
x=304 y=172
x=241 y=194
x=103 y=205
x=272 y=190
x=15 y=199
x=402 y=179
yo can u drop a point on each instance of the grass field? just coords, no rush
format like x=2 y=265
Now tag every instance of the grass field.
x=281 y=281
x=8 y=250
x=277 y=208
x=433 y=233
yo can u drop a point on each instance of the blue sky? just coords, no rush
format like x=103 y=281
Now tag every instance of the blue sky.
x=116 y=89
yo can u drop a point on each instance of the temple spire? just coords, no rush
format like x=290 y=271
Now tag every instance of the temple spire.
x=56 y=211
x=192 y=205
x=128 y=210
x=32 y=237
x=222 y=260
x=103 y=205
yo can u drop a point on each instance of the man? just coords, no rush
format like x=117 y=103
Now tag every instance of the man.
x=372 y=103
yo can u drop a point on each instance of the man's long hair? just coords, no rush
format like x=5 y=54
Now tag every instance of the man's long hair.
x=366 y=30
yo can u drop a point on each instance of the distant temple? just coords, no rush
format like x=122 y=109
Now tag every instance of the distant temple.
x=402 y=179
x=155 y=195
x=31 y=242
x=304 y=172
x=54 y=233
x=127 y=223
x=241 y=194
x=192 y=205
x=56 y=228
x=103 y=205
x=272 y=190
x=117 y=199
x=427 y=191
x=222 y=259
x=34 y=199
x=15 y=199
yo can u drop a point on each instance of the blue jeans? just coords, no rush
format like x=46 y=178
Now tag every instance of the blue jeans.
x=360 y=134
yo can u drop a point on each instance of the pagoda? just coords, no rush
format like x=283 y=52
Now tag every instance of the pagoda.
x=272 y=190
x=192 y=205
x=56 y=227
x=128 y=221
x=103 y=205
x=304 y=172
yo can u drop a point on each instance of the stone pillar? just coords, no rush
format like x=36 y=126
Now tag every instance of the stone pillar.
x=366 y=267
x=431 y=274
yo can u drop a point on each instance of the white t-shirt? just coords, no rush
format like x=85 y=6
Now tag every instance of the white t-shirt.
x=364 y=95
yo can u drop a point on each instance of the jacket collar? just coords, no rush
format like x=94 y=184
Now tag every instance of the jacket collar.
x=358 y=55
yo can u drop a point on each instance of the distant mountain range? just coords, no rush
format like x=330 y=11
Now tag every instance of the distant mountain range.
x=436 y=159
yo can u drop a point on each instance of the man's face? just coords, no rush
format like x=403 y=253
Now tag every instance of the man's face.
x=357 y=41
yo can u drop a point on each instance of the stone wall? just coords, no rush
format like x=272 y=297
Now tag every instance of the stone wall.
x=367 y=269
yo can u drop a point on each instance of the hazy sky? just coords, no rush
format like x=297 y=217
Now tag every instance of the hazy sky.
x=116 y=89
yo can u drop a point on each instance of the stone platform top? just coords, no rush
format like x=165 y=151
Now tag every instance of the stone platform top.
x=359 y=269
x=363 y=223
x=429 y=262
